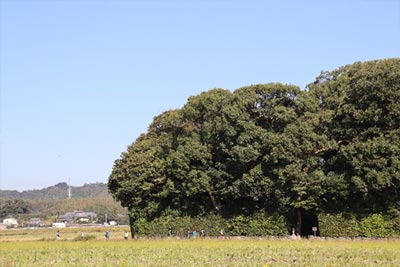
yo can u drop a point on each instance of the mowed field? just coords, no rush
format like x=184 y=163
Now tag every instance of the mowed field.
x=39 y=247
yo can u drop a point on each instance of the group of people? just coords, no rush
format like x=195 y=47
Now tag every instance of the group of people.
x=189 y=234
x=106 y=235
x=193 y=234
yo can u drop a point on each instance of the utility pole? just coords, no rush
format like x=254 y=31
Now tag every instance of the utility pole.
x=69 y=188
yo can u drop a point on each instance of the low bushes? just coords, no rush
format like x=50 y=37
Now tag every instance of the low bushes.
x=84 y=238
x=348 y=225
x=257 y=225
x=330 y=225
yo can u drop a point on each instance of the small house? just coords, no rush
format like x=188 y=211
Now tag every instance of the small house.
x=10 y=222
x=35 y=222
x=67 y=217
x=85 y=217
x=77 y=217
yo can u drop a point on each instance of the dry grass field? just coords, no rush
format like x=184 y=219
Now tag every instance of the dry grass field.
x=40 y=248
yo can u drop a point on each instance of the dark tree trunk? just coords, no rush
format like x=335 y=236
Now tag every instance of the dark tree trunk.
x=131 y=226
x=299 y=220
x=214 y=200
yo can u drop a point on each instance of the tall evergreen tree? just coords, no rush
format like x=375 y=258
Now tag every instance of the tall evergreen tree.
x=333 y=147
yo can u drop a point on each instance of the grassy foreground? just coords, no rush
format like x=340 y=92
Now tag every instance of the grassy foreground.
x=199 y=252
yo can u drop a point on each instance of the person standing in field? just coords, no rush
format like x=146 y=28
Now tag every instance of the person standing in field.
x=221 y=233
x=107 y=235
x=169 y=232
x=126 y=236
x=58 y=236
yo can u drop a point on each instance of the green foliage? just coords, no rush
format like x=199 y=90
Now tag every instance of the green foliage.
x=338 y=225
x=361 y=103
x=260 y=225
x=376 y=225
x=373 y=225
x=272 y=148
x=257 y=225
x=13 y=207
x=180 y=226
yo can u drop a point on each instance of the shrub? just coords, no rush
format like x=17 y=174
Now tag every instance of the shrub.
x=257 y=225
x=338 y=225
x=84 y=238
x=261 y=225
x=348 y=225
x=238 y=226
x=396 y=226
x=375 y=225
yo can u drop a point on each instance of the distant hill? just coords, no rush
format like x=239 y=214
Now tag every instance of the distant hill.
x=59 y=191
x=50 y=202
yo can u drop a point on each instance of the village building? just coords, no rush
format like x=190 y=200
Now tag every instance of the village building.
x=35 y=222
x=10 y=222
x=77 y=217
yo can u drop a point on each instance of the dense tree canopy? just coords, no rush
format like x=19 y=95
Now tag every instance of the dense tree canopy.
x=273 y=147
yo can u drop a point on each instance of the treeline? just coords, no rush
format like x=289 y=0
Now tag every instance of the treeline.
x=333 y=148
x=50 y=202
x=59 y=191
x=49 y=210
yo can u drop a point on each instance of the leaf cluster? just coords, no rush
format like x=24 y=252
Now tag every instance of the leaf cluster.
x=272 y=147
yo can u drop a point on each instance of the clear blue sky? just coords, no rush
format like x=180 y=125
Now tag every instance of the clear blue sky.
x=80 y=80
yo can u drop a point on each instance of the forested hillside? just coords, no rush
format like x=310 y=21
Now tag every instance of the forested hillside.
x=50 y=202
x=59 y=191
x=333 y=148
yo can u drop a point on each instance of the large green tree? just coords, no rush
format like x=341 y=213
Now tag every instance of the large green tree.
x=272 y=147
x=362 y=101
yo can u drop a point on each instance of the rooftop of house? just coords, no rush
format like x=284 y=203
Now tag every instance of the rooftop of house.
x=76 y=215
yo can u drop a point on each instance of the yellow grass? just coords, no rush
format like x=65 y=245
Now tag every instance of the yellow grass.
x=20 y=249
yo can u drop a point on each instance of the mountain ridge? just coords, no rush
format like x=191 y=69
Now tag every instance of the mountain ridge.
x=59 y=191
